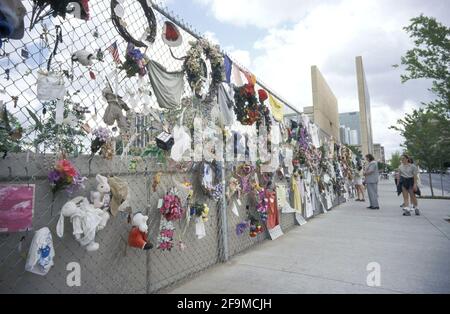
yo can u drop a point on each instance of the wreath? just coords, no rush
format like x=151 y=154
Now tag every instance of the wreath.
x=120 y=25
x=248 y=109
x=196 y=69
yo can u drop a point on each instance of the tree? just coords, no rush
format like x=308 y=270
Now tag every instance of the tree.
x=425 y=133
x=430 y=59
x=395 y=160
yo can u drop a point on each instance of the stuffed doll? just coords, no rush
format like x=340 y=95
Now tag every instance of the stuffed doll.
x=86 y=221
x=101 y=197
x=139 y=233
x=114 y=112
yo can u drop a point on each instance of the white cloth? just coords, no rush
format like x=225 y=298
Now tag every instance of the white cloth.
x=200 y=230
x=41 y=253
x=182 y=143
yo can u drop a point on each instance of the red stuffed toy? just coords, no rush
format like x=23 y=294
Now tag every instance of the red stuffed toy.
x=139 y=233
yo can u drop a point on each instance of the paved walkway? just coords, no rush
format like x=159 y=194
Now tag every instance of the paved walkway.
x=331 y=253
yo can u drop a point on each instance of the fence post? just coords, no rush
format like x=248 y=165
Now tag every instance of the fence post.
x=223 y=240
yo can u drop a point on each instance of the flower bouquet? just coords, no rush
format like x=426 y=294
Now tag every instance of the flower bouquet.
x=171 y=208
x=201 y=211
x=135 y=62
x=166 y=235
x=65 y=176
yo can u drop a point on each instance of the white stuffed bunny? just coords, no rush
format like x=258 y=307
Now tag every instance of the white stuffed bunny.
x=101 y=197
x=86 y=221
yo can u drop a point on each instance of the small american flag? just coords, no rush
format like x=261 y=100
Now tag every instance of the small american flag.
x=115 y=52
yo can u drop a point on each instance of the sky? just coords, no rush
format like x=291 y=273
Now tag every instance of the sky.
x=280 y=40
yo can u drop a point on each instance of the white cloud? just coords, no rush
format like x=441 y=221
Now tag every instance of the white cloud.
x=330 y=34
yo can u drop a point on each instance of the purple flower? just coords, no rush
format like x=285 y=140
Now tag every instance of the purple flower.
x=77 y=183
x=136 y=54
x=54 y=176
x=240 y=228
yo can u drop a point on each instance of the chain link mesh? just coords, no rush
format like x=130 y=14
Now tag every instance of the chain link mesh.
x=115 y=267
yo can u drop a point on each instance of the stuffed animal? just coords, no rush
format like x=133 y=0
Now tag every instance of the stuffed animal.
x=114 y=112
x=139 y=233
x=86 y=221
x=101 y=197
x=84 y=57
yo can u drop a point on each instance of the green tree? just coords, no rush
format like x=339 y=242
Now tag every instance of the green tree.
x=425 y=133
x=430 y=59
x=395 y=160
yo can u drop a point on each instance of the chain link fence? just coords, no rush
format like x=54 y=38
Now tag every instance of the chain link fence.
x=115 y=267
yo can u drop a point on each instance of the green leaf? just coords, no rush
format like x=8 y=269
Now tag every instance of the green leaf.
x=38 y=125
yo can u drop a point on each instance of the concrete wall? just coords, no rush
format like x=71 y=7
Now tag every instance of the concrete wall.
x=364 y=109
x=326 y=112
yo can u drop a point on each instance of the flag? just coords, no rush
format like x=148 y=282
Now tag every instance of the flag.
x=115 y=52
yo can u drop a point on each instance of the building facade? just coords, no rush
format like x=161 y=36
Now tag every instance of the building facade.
x=352 y=121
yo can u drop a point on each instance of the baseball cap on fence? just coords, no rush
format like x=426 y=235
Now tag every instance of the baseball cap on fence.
x=171 y=35
x=119 y=191
x=12 y=13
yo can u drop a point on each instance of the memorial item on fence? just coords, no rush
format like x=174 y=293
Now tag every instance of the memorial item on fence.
x=276 y=108
x=17 y=204
x=168 y=87
x=44 y=8
x=171 y=35
x=171 y=208
x=248 y=109
x=118 y=14
x=138 y=237
x=135 y=62
x=86 y=221
x=165 y=141
x=273 y=219
x=101 y=197
x=201 y=213
x=166 y=235
x=12 y=13
x=50 y=86
x=84 y=57
x=101 y=137
x=65 y=176
x=114 y=111
x=41 y=253
x=120 y=196
x=196 y=69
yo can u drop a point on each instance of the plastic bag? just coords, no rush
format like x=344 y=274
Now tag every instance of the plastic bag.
x=50 y=86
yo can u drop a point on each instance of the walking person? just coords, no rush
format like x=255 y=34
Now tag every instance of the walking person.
x=409 y=185
x=358 y=181
x=372 y=175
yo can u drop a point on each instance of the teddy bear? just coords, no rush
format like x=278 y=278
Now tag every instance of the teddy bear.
x=100 y=198
x=86 y=221
x=139 y=233
x=114 y=111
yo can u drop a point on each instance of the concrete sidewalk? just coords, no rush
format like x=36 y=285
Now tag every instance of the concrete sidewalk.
x=331 y=253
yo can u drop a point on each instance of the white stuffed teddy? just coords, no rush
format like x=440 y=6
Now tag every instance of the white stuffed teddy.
x=86 y=221
x=101 y=197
